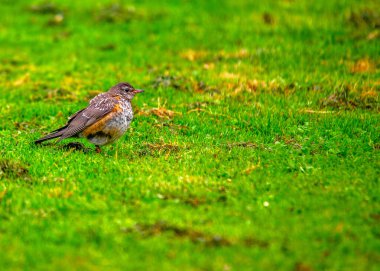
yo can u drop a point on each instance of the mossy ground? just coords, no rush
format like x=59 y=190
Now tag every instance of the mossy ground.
x=254 y=147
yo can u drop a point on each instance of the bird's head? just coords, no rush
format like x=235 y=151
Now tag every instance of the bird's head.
x=126 y=90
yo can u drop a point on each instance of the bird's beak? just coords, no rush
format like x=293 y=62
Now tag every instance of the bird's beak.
x=138 y=91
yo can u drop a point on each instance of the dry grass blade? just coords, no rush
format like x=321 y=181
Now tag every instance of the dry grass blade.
x=160 y=112
x=310 y=111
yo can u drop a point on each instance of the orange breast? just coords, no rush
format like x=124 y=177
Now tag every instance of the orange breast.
x=101 y=125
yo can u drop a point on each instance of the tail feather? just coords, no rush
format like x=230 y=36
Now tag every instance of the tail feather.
x=57 y=133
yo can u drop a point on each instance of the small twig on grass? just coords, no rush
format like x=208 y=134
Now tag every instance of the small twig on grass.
x=316 y=111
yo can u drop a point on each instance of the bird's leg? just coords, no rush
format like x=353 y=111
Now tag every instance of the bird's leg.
x=97 y=149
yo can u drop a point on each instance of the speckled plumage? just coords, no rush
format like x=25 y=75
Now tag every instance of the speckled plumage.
x=105 y=120
x=113 y=127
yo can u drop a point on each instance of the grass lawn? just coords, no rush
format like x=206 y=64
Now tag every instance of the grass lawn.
x=255 y=145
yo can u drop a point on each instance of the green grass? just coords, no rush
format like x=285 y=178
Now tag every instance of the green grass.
x=254 y=147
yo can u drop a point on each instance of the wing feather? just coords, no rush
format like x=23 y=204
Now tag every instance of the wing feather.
x=99 y=107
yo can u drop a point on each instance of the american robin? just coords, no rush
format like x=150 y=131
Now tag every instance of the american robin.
x=103 y=121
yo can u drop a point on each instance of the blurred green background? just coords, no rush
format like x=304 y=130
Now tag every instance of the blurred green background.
x=255 y=145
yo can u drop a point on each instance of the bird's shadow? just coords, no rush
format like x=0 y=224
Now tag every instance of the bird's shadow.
x=71 y=146
x=76 y=146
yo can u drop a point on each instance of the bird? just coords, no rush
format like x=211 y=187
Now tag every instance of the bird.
x=103 y=121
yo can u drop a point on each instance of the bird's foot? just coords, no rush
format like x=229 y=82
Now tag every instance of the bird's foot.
x=98 y=149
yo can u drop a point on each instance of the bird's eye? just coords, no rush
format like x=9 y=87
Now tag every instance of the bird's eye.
x=126 y=88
